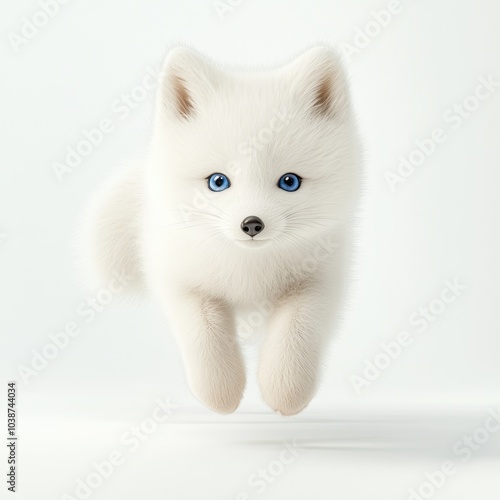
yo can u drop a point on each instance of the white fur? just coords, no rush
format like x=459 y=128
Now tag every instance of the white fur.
x=161 y=224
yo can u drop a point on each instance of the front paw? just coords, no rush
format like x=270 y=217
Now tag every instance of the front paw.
x=286 y=392
x=221 y=392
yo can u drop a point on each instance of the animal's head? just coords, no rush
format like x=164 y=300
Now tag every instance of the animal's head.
x=255 y=158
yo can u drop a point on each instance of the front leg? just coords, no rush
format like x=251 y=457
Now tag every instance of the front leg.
x=206 y=336
x=290 y=357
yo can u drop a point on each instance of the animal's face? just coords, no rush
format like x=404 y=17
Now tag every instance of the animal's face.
x=255 y=160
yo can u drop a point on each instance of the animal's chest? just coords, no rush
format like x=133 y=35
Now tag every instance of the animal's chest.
x=237 y=279
x=247 y=282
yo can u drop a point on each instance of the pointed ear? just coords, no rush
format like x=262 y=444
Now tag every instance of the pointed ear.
x=186 y=82
x=320 y=82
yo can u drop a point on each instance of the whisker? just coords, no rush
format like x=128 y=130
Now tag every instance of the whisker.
x=178 y=227
x=195 y=211
x=219 y=209
x=308 y=223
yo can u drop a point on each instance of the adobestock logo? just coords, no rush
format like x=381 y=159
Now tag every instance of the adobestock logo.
x=91 y=138
x=31 y=26
x=248 y=324
x=59 y=341
x=379 y=21
x=265 y=476
x=264 y=136
x=246 y=151
x=392 y=350
x=453 y=118
x=130 y=441
x=465 y=447
x=222 y=7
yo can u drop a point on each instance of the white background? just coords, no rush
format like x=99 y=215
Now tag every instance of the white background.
x=441 y=223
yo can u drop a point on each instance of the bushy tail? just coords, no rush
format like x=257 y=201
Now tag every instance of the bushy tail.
x=108 y=240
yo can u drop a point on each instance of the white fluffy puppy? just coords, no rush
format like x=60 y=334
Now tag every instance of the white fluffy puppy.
x=247 y=196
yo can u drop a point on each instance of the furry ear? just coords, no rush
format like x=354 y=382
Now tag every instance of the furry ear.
x=320 y=82
x=187 y=81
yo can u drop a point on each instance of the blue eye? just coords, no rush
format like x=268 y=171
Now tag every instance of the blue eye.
x=218 y=182
x=289 y=182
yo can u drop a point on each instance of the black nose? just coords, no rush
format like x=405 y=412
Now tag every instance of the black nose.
x=252 y=225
